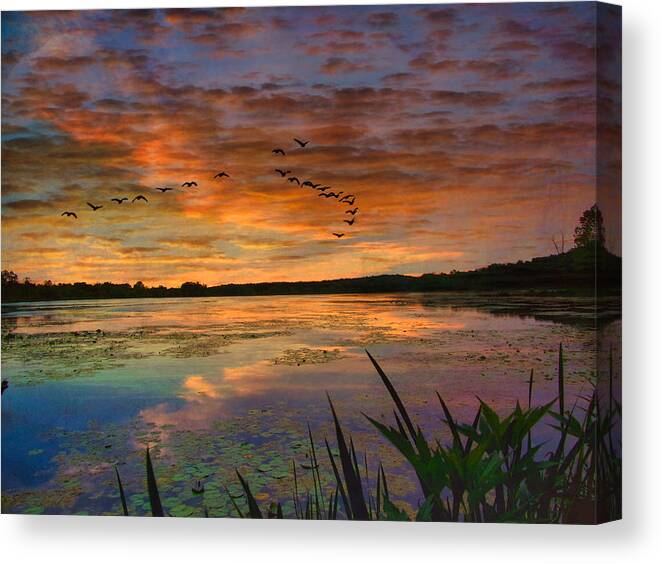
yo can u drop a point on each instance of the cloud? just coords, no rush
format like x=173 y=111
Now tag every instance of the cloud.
x=516 y=28
x=574 y=50
x=488 y=69
x=382 y=19
x=340 y=65
x=474 y=98
x=517 y=45
x=439 y=15
x=553 y=85
x=426 y=114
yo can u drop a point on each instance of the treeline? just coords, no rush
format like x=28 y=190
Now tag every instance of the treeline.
x=576 y=270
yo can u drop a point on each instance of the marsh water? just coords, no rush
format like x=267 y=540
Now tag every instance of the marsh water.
x=213 y=385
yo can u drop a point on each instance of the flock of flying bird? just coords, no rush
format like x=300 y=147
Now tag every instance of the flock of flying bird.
x=324 y=191
x=349 y=199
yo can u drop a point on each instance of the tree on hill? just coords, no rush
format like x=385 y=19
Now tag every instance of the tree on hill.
x=590 y=229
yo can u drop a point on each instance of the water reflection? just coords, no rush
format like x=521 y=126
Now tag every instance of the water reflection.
x=226 y=366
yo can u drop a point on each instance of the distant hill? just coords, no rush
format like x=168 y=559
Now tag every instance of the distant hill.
x=578 y=270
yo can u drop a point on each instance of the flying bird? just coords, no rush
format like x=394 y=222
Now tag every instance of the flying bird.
x=339 y=235
x=294 y=179
x=189 y=184
x=307 y=183
x=118 y=200
x=352 y=212
x=347 y=197
x=353 y=220
x=70 y=214
x=283 y=173
x=301 y=143
x=140 y=197
x=94 y=208
x=221 y=174
x=163 y=190
x=351 y=202
x=278 y=152
x=325 y=195
x=323 y=188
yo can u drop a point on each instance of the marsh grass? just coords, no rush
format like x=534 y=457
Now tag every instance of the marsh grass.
x=491 y=470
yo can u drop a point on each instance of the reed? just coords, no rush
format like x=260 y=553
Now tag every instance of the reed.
x=152 y=488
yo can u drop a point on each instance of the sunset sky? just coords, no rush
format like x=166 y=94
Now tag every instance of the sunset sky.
x=466 y=132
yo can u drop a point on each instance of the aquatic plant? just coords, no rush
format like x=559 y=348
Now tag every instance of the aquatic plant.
x=491 y=470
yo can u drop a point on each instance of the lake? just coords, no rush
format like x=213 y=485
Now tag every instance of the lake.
x=213 y=385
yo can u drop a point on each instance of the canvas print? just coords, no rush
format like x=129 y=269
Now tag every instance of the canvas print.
x=332 y=262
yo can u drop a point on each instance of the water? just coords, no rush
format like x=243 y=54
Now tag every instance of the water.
x=218 y=384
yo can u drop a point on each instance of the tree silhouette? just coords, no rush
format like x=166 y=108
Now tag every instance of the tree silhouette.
x=590 y=228
x=9 y=277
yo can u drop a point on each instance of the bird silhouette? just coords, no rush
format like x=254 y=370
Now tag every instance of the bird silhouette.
x=94 y=208
x=163 y=190
x=352 y=212
x=278 y=152
x=353 y=220
x=323 y=188
x=351 y=202
x=118 y=200
x=307 y=183
x=140 y=197
x=347 y=197
x=69 y=214
x=221 y=174
x=339 y=235
x=301 y=143
x=189 y=184
x=283 y=173
x=326 y=195
x=294 y=179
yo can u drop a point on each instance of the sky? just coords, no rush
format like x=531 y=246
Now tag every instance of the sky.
x=466 y=132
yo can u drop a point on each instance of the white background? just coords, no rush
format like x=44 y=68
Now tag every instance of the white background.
x=637 y=538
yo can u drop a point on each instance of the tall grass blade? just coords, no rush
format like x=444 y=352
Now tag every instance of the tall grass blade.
x=352 y=479
x=253 y=508
x=297 y=502
x=395 y=396
x=316 y=477
x=236 y=507
x=152 y=488
x=338 y=480
x=121 y=494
